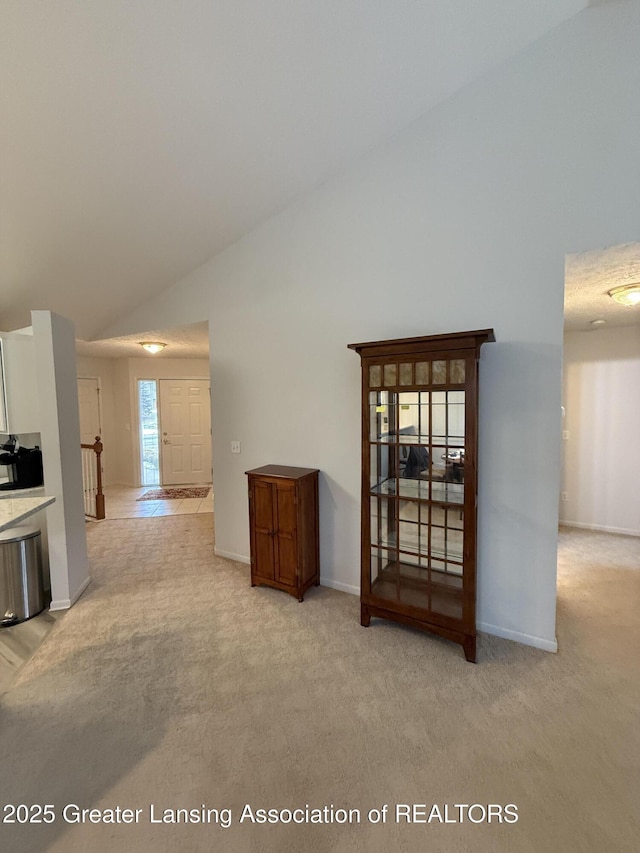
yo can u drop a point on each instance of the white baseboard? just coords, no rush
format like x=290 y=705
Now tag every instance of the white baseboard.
x=241 y=558
x=518 y=637
x=601 y=528
x=66 y=603
x=229 y=555
x=81 y=589
x=504 y=633
x=341 y=587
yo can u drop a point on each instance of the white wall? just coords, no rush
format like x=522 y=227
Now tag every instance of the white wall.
x=58 y=399
x=168 y=368
x=462 y=222
x=102 y=369
x=122 y=422
x=601 y=469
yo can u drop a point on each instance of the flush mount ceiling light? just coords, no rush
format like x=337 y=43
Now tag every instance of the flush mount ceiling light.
x=152 y=346
x=627 y=294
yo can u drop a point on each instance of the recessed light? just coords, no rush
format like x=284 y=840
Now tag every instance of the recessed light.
x=598 y=322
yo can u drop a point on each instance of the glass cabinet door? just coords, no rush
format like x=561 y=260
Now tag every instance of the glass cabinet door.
x=416 y=467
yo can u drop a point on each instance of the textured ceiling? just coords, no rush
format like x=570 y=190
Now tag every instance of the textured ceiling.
x=588 y=277
x=141 y=137
x=185 y=342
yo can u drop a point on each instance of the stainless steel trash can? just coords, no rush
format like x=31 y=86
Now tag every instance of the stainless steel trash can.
x=21 y=588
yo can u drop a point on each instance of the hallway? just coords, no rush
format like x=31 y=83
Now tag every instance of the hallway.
x=122 y=502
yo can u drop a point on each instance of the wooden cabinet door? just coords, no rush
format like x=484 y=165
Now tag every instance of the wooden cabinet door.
x=263 y=527
x=285 y=540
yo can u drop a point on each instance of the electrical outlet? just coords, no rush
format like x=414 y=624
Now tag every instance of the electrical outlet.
x=565 y=496
x=235 y=447
x=565 y=434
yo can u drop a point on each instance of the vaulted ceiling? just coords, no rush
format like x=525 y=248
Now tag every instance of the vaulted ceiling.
x=141 y=137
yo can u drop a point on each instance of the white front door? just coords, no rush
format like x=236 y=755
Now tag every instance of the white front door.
x=185 y=431
x=89 y=409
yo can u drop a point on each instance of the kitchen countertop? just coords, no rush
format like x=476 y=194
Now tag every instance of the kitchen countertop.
x=14 y=510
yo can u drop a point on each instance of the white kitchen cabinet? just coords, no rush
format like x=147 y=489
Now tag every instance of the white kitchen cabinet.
x=19 y=410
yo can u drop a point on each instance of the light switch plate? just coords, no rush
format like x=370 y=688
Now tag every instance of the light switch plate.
x=235 y=447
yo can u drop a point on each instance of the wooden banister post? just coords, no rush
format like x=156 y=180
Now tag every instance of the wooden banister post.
x=98 y=447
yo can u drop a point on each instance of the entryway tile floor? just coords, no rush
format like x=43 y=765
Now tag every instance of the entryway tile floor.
x=122 y=502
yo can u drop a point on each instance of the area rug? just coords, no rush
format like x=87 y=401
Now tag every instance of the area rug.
x=177 y=493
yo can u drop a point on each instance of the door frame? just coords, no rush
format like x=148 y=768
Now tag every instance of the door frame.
x=135 y=412
x=136 y=469
x=99 y=390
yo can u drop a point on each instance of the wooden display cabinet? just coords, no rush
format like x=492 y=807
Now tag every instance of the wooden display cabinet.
x=419 y=482
x=283 y=517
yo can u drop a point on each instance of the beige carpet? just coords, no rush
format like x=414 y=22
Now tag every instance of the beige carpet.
x=174 y=683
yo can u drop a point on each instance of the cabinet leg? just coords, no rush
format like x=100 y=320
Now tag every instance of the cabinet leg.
x=469 y=646
x=365 y=616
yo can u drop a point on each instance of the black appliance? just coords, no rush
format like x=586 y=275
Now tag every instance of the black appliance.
x=24 y=465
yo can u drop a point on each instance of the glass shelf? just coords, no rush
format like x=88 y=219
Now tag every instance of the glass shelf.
x=453 y=442
x=420 y=557
x=445 y=493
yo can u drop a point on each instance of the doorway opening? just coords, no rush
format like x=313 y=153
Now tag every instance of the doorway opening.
x=142 y=396
x=601 y=367
x=599 y=515
x=174 y=425
x=149 y=432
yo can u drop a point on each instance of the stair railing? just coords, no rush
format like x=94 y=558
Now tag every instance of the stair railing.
x=92 y=479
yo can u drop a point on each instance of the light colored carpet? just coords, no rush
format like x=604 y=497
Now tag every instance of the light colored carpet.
x=172 y=682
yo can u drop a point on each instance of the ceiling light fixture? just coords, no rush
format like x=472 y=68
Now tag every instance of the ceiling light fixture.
x=597 y=323
x=627 y=294
x=153 y=347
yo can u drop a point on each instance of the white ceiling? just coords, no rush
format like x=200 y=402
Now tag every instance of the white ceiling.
x=183 y=342
x=588 y=278
x=141 y=137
